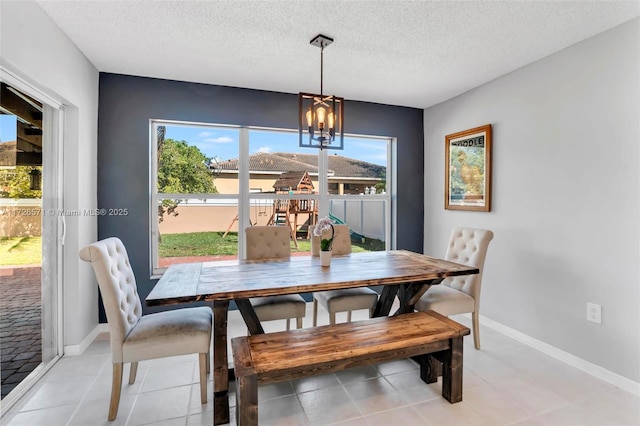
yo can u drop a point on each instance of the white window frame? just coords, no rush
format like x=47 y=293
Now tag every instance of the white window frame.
x=245 y=197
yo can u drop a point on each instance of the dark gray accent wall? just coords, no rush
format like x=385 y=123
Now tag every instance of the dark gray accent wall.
x=127 y=103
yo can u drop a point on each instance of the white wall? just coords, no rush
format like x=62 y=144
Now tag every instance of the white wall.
x=566 y=191
x=35 y=49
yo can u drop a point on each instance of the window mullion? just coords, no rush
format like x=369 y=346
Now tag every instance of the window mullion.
x=323 y=183
x=243 y=202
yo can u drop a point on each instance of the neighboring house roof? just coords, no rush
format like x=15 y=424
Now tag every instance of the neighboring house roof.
x=341 y=166
x=265 y=162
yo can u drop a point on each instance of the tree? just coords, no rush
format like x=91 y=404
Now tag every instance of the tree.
x=182 y=169
x=16 y=183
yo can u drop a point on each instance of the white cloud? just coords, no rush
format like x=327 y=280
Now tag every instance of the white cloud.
x=265 y=149
x=204 y=134
x=221 y=139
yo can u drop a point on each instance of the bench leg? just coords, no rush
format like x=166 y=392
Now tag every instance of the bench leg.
x=430 y=368
x=452 y=372
x=247 y=400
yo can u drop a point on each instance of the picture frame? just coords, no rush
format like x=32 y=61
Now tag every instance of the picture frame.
x=468 y=170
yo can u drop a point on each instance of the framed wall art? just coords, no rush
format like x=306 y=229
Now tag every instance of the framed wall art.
x=468 y=170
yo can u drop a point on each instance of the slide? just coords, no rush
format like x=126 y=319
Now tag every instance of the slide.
x=340 y=222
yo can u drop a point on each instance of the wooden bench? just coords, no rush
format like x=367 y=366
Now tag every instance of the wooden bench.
x=275 y=357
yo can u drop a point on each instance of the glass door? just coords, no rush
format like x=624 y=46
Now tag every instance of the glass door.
x=30 y=236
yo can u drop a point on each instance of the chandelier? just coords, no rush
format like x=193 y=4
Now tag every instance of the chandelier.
x=321 y=117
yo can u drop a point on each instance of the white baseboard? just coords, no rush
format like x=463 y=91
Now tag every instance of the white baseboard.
x=79 y=349
x=579 y=363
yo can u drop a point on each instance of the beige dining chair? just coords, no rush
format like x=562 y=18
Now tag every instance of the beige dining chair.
x=461 y=295
x=135 y=337
x=274 y=242
x=345 y=300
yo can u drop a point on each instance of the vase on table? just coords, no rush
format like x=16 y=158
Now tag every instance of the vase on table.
x=325 y=257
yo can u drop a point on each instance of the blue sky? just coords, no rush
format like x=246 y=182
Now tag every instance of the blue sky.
x=7 y=127
x=223 y=143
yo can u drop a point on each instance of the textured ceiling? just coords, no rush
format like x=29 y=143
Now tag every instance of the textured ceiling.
x=410 y=53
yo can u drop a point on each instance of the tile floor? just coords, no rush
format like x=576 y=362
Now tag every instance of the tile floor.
x=506 y=383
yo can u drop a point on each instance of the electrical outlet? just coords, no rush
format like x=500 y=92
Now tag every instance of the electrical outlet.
x=594 y=313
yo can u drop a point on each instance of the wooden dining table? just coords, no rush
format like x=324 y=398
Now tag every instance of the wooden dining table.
x=401 y=273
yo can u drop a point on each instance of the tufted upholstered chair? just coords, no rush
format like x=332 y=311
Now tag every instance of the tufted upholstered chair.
x=461 y=295
x=274 y=242
x=350 y=299
x=135 y=337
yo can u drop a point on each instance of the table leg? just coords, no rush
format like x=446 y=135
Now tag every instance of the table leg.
x=383 y=307
x=249 y=315
x=410 y=293
x=220 y=363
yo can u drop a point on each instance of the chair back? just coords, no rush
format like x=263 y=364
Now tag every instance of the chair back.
x=341 y=240
x=268 y=242
x=118 y=288
x=468 y=246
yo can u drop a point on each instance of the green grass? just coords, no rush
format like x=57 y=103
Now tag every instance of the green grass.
x=20 y=251
x=212 y=244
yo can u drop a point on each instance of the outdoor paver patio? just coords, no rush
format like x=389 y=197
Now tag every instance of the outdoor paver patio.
x=20 y=324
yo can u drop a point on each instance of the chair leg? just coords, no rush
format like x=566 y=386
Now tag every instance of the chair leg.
x=209 y=360
x=204 y=357
x=475 y=320
x=315 y=312
x=116 y=384
x=133 y=370
x=348 y=316
x=288 y=324
x=299 y=322
x=332 y=318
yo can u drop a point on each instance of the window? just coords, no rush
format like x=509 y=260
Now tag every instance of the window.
x=361 y=173
x=213 y=181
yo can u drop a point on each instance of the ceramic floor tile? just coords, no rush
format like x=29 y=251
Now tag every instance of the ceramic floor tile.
x=568 y=416
x=570 y=389
x=358 y=421
x=527 y=360
x=55 y=416
x=471 y=380
x=535 y=397
x=95 y=412
x=181 y=421
x=495 y=407
x=281 y=411
x=274 y=390
x=58 y=393
x=168 y=376
x=403 y=416
x=398 y=366
x=328 y=405
x=505 y=383
x=206 y=419
x=616 y=408
x=357 y=374
x=439 y=412
x=78 y=366
x=412 y=388
x=101 y=345
x=584 y=378
x=489 y=369
x=160 y=405
x=196 y=405
x=314 y=383
x=101 y=388
x=374 y=395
